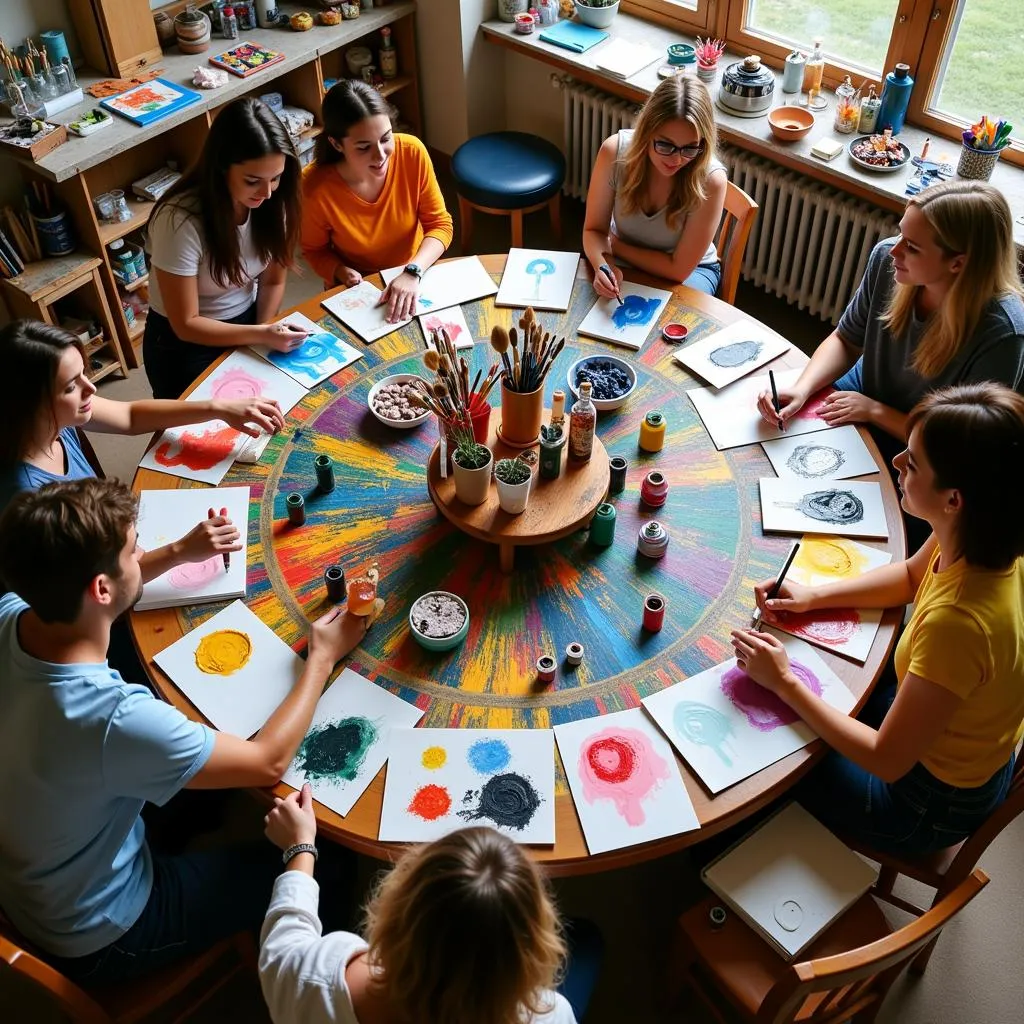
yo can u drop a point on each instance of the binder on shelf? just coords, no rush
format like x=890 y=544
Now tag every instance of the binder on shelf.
x=572 y=36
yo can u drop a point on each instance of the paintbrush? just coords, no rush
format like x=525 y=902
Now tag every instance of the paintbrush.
x=552 y=356
x=476 y=382
x=515 y=358
x=773 y=591
x=500 y=343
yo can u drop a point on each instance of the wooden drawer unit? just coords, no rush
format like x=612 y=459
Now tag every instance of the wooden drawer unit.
x=118 y=37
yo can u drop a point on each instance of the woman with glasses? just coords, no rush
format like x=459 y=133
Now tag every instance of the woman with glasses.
x=657 y=192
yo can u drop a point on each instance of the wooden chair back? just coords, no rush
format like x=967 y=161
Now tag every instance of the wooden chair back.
x=90 y=453
x=731 y=238
x=838 y=988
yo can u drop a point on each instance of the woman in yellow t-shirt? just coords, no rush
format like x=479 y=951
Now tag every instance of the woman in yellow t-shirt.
x=932 y=757
x=371 y=199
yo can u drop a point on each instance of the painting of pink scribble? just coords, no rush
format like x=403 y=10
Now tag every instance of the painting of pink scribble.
x=811 y=409
x=764 y=711
x=236 y=384
x=620 y=765
x=435 y=323
x=191 y=575
x=834 y=626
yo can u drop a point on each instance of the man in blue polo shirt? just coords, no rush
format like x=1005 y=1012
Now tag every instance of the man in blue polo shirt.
x=83 y=751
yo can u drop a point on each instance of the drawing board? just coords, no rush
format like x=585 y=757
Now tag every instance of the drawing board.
x=348 y=740
x=731 y=418
x=733 y=352
x=359 y=309
x=453 y=320
x=839 y=455
x=234 y=668
x=320 y=356
x=440 y=780
x=624 y=780
x=449 y=283
x=630 y=323
x=166 y=516
x=849 y=508
x=727 y=727
x=205 y=451
x=846 y=631
x=541 y=278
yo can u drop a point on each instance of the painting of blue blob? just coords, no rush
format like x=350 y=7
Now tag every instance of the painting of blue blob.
x=321 y=354
x=736 y=354
x=629 y=322
x=489 y=756
x=634 y=310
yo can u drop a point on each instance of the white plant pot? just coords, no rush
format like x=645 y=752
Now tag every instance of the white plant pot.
x=513 y=497
x=472 y=485
x=597 y=17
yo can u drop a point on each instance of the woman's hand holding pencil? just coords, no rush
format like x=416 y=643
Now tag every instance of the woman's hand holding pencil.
x=608 y=279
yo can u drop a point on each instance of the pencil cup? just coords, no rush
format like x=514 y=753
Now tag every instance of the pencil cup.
x=55 y=237
x=521 y=416
x=977 y=164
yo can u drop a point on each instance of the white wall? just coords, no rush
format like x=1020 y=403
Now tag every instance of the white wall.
x=532 y=103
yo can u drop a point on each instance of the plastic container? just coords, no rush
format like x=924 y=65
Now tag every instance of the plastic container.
x=121 y=210
x=229 y=23
x=895 y=99
x=868 y=112
x=123 y=261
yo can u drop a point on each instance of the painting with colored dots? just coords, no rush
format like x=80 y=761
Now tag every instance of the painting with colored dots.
x=727 y=727
x=166 y=516
x=348 y=740
x=726 y=355
x=629 y=323
x=440 y=780
x=541 y=278
x=321 y=355
x=205 y=451
x=624 y=780
x=234 y=668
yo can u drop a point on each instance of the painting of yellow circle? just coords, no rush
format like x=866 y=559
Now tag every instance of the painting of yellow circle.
x=434 y=758
x=223 y=652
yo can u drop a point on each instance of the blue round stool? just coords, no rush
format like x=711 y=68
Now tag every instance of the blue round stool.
x=509 y=174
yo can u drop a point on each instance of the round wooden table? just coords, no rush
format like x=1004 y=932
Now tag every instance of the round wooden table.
x=556 y=508
x=564 y=591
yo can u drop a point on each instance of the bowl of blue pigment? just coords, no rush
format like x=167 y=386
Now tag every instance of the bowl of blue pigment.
x=439 y=620
x=612 y=380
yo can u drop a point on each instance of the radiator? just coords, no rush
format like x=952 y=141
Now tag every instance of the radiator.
x=810 y=242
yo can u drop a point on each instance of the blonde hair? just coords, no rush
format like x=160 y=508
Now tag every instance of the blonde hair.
x=970 y=219
x=675 y=99
x=463 y=931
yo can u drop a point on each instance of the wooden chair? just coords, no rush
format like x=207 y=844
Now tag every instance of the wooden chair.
x=90 y=453
x=731 y=238
x=852 y=966
x=133 y=1002
x=945 y=870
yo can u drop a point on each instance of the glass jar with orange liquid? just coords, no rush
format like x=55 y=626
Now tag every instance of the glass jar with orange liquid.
x=362 y=591
x=814 y=71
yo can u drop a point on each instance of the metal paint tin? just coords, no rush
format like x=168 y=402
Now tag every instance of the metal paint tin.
x=654 y=613
x=296 y=506
x=602 y=526
x=652 y=540
x=618 y=466
x=654 y=489
x=324 y=473
x=674 y=332
x=574 y=653
x=546 y=668
x=334 y=580
x=652 y=432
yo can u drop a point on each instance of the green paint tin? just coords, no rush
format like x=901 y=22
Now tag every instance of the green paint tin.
x=602 y=526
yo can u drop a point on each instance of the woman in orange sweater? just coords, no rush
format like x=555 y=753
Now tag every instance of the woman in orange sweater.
x=371 y=199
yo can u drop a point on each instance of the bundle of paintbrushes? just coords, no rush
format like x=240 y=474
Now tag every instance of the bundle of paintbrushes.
x=529 y=362
x=452 y=397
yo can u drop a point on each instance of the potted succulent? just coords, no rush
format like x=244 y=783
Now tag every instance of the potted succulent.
x=599 y=13
x=513 y=479
x=709 y=52
x=192 y=28
x=552 y=444
x=471 y=462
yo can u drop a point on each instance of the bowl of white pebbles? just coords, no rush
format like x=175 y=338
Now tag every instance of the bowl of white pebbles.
x=389 y=401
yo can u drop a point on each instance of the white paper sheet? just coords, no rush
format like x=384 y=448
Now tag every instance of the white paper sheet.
x=453 y=320
x=733 y=352
x=840 y=455
x=631 y=323
x=449 y=283
x=541 y=278
x=359 y=310
x=849 y=508
x=320 y=356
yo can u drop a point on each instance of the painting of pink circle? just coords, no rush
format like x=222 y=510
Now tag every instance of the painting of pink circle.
x=237 y=384
x=764 y=711
x=834 y=627
x=621 y=765
x=190 y=575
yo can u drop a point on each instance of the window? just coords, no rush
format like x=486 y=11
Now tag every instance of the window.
x=694 y=15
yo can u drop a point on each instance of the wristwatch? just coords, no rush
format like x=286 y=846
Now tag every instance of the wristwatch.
x=293 y=851
x=415 y=269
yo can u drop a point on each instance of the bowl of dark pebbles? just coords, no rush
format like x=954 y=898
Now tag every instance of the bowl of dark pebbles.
x=612 y=380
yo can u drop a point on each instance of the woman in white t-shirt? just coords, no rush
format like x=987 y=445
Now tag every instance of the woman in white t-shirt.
x=657 y=193
x=220 y=244
x=462 y=931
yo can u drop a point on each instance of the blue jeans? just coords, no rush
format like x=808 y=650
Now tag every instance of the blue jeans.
x=916 y=814
x=586 y=951
x=853 y=379
x=706 y=278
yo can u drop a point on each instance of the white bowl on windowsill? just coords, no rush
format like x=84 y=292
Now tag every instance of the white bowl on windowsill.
x=596 y=17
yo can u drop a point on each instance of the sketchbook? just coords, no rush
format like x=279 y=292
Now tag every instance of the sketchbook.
x=789 y=879
x=624 y=59
x=151 y=101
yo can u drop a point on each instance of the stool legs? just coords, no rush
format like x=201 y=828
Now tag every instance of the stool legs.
x=466 y=223
x=555 y=214
x=517 y=229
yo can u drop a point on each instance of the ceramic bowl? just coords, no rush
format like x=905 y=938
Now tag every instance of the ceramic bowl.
x=439 y=643
x=603 y=404
x=396 y=378
x=790 y=123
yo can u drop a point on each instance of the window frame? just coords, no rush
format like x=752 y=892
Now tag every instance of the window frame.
x=673 y=15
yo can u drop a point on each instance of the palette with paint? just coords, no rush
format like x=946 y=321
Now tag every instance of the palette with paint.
x=727 y=727
x=440 y=780
x=348 y=740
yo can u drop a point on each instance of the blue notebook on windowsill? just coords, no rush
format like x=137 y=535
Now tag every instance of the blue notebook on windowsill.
x=571 y=35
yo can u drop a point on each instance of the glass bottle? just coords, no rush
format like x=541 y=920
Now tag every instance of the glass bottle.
x=847 y=111
x=582 y=421
x=814 y=70
x=558 y=409
x=869 y=112
x=388 y=56
x=59 y=77
x=228 y=23
x=69 y=67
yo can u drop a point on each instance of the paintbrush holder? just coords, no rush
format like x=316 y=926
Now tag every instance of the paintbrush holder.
x=521 y=416
x=480 y=416
x=977 y=164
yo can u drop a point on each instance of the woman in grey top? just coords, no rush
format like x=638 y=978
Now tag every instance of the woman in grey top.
x=657 y=193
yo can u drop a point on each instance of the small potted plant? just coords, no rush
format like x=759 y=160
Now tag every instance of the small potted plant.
x=513 y=479
x=471 y=462
x=552 y=444
x=709 y=52
x=598 y=13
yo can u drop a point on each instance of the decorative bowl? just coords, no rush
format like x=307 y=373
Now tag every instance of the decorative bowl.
x=790 y=123
x=603 y=404
x=747 y=87
x=396 y=378
x=597 y=17
x=439 y=643
x=880 y=168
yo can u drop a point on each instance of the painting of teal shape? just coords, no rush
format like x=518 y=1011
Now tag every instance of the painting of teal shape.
x=736 y=354
x=318 y=356
x=704 y=726
x=336 y=750
x=635 y=311
x=539 y=269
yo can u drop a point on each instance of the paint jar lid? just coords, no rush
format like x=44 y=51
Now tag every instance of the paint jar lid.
x=674 y=332
x=295 y=498
x=654 y=418
x=605 y=511
x=717 y=916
